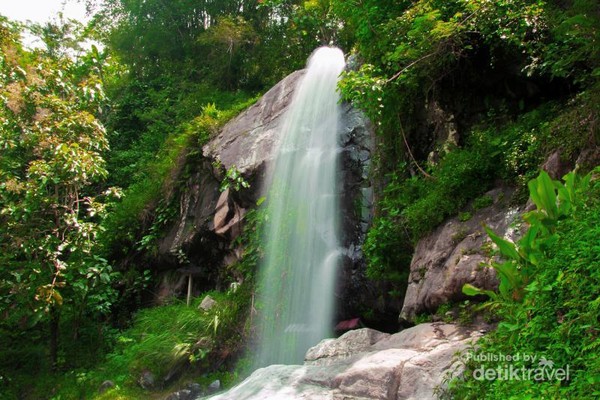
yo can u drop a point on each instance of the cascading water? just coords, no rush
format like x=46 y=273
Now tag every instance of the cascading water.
x=297 y=277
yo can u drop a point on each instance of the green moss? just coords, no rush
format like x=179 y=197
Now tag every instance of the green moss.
x=482 y=202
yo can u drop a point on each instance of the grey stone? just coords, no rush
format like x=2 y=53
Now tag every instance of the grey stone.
x=424 y=337
x=194 y=223
x=147 y=380
x=452 y=255
x=555 y=166
x=221 y=211
x=191 y=392
x=194 y=388
x=377 y=375
x=228 y=216
x=207 y=303
x=247 y=141
x=588 y=159
x=214 y=386
x=106 y=385
x=184 y=394
x=365 y=365
x=352 y=342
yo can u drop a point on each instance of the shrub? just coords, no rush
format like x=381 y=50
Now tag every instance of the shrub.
x=556 y=317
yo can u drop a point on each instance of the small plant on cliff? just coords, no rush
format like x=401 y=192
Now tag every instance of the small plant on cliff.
x=234 y=180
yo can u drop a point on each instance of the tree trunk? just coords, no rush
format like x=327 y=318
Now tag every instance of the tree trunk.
x=54 y=332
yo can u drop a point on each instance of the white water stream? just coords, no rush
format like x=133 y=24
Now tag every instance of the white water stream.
x=297 y=278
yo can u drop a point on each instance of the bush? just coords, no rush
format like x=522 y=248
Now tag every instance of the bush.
x=556 y=319
x=166 y=339
x=413 y=207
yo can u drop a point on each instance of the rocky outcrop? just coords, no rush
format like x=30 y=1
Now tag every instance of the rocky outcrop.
x=207 y=215
x=457 y=253
x=247 y=141
x=209 y=219
x=355 y=292
x=198 y=200
x=365 y=364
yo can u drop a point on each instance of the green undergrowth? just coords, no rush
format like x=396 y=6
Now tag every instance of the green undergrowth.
x=25 y=370
x=464 y=313
x=148 y=200
x=548 y=304
x=176 y=343
x=492 y=153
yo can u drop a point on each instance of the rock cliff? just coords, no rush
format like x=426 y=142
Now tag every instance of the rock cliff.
x=209 y=220
x=457 y=253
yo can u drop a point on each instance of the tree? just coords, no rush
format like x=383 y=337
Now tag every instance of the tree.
x=52 y=146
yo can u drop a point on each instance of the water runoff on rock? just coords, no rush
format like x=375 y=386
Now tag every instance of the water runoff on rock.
x=297 y=278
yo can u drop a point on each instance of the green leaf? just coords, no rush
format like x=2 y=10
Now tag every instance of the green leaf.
x=542 y=192
x=471 y=290
x=506 y=247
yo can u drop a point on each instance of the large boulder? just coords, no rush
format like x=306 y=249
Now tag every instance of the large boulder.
x=455 y=254
x=209 y=220
x=367 y=365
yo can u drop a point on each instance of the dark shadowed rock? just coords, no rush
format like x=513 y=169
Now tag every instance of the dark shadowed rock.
x=555 y=166
x=147 y=380
x=588 y=159
x=183 y=394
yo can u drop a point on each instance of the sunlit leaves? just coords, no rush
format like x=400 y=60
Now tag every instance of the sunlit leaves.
x=53 y=147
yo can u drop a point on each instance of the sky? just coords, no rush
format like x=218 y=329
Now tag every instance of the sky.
x=41 y=10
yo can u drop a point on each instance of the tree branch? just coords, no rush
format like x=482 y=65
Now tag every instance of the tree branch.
x=397 y=74
x=411 y=154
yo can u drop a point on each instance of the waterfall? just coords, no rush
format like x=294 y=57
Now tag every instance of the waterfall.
x=297 y=277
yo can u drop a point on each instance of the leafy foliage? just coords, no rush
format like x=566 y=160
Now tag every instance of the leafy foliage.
x=554 y=202
x=150 y=200
x=514 y=80
x=556 y=308
x=51 y=206
x=412 y=53
x=412 y=207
